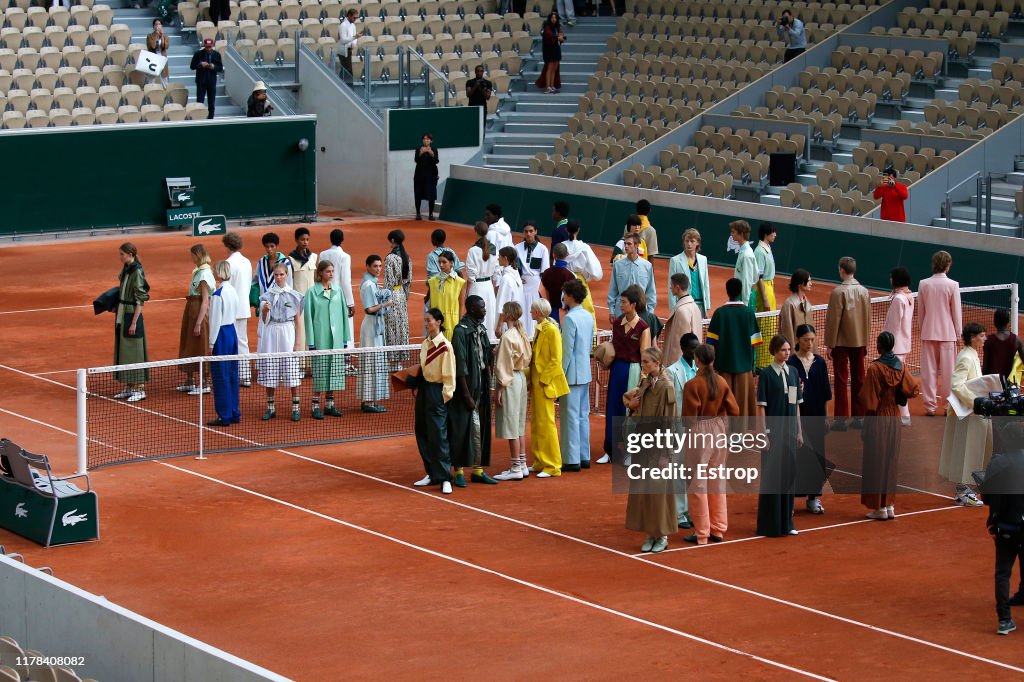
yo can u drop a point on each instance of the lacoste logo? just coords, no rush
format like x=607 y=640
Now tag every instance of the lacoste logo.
x=71 y=518
x=20 y=512
x=207 y=226
x=184 y=197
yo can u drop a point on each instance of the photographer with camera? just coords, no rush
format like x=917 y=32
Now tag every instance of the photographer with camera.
x=258 y=106
x=892 y=194
x=967 y=442
x=792 y=31
x=1003 y=491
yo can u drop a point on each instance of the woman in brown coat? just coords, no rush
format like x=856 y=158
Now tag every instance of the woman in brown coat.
x=707 y=405
x=884 y=377
x=651 y=508
x=158 y=42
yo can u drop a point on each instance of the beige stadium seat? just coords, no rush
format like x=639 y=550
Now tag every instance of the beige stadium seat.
x=18 y=100
x=83 y=117
x=174 y=112
x=151 y=113
x=106 y=115
x=13 y=119
x=60 y=118
x=37 y=119
x=128 y=114
x=194 y=111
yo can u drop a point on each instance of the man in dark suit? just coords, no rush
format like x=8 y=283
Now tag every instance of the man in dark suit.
x=207 y=64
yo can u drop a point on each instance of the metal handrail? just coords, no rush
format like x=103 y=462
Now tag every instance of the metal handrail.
x=431 y=68
x=949 y=201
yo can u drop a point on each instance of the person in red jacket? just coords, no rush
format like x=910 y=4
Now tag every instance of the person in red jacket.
x=892 y=194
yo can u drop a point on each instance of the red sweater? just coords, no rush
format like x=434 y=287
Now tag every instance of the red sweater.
x=892 y=197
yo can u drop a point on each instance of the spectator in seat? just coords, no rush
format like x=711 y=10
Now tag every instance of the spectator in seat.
x=207 y=64
x=258 y=106
x=892 y=194
x=792 y=31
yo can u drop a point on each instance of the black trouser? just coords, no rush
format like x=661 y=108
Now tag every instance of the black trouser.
x=792 y=52
x=220 y=10
x=207 y=90
x=432 y=432
x=1008 y=550
x=420 y=198
x=346 y=61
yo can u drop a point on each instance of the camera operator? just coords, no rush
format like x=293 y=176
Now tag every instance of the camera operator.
x=792 y=31
x=1003 y=491
x=479 y=89
x=893 y=194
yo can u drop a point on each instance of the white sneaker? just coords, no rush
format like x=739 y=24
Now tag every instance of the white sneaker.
x=422 y=482
x=890 y=511
x=514 y=474
x=815 y=507
x=878 y=515
x=446 y=488
x=544 y=474
x=793 y=532
x=185 y=388
x=136 y=396
x=967 y=499
x=123 y=394
x=199 y=391
x=524 y=469
x=605 y=459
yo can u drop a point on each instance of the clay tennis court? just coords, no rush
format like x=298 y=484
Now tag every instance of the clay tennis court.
x=322 y=562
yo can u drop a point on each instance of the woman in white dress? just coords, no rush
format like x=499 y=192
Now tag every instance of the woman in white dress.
x=281 y=313
x=481 y=264
x=509 y=285
x=373 y=370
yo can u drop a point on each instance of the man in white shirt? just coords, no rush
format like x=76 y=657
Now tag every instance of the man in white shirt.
x=347 y=40
x=342 y=263
x=241 y=282
x=498 y=231
x=534 y=258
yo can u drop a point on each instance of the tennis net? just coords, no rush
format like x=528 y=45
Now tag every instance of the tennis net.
x=172 y=423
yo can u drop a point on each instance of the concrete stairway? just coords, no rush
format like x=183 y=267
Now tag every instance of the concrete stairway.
x=179 y=56
x=1005 y=221
x=529 y=120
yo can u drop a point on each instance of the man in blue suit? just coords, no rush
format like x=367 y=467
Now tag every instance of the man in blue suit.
x=577 y=343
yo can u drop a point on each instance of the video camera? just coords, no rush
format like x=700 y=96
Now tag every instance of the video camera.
x=783 y=21
x=1006 y=403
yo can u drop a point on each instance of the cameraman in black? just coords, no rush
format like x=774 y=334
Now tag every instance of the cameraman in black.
x=792 y=31
x=1002 y=490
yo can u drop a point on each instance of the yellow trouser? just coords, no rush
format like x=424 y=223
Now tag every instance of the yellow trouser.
x=543 y=435
x=769 y=326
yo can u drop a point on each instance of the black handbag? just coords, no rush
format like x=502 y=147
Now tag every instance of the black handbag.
x=140 y=327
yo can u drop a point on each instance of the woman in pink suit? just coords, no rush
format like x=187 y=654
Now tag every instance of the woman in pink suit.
x=938 y=303
x=899 y=321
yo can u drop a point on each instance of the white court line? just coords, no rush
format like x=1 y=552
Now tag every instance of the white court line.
x=648 y=555
x=74 y=307
x=467 y=564
x=672 y=569
x=948 y=498
x=56 y=371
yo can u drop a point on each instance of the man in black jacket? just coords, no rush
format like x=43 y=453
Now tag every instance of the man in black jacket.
x=207 y=64
x=1003 y=491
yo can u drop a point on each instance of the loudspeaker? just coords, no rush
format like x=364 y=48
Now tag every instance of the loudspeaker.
x=781 y=169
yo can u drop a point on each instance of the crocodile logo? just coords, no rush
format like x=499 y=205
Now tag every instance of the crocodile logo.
x=71 y=518
x=20 y=512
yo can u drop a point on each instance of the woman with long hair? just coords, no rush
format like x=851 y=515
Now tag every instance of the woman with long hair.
x=813 y=468
x=129 y=332
x=651 y=506
x=376 y=300
x=510 y=366
x=886 y=385
x=481 y=264
x=630 y=337
x=195 y=322
x=508 y=282
x=550 y=79
x=224 y=341
x=397 y=278
x=707 y=405
x=326 y=319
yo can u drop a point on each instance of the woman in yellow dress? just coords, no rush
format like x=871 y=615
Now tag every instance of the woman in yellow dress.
x=446 y=291
x=547 y=384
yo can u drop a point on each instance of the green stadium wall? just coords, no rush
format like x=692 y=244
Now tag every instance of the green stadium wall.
x=809 y=239
x=82 y=178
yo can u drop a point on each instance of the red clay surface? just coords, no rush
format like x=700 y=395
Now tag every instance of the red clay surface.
x=319 y=562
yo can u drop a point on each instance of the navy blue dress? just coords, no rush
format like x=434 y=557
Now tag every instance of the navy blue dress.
x=813 y=468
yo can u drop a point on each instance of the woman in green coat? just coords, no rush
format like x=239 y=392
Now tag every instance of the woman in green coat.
x=129 y=333
x=326 y=315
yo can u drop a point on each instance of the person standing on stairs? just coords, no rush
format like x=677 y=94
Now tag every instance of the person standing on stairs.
x=158 y=42
x=567 y=9
x=550 y=79
x=207 y=64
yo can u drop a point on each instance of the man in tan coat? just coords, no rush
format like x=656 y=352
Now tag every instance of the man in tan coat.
x=685 y=318
x=847 y=328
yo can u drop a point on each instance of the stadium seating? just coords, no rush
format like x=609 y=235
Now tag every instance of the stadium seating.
x=13 y=670
x=58 y=65
x=453 y=35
